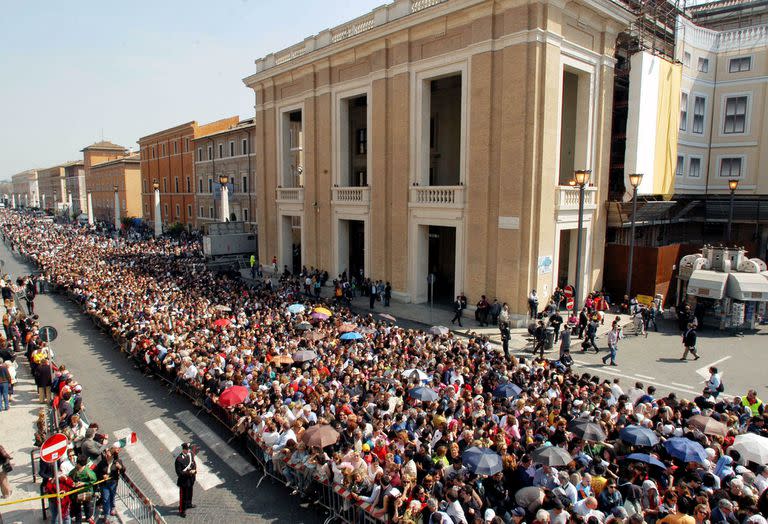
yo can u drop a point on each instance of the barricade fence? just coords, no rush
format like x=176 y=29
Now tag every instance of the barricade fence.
x=340 y=503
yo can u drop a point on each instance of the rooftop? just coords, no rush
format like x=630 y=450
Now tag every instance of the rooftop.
x=133 y=158
x=104 y=145
x=243 y=124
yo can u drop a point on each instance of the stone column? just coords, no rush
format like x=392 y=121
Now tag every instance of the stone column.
x=158 y=218
x=90 y=209
x=117 y=210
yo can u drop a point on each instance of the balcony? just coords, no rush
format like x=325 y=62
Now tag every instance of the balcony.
x=441 y=197
x=290 y=195
x=352 y=196
x=567 y=198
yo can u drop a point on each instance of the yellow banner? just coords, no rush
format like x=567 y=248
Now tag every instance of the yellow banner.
x=645 y=300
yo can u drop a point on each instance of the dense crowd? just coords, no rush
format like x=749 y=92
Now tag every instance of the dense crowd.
x=420 y=427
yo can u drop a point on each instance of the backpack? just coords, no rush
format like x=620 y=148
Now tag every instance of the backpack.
x=720 y=387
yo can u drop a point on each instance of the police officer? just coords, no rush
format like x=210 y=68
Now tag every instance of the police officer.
x=186 y=469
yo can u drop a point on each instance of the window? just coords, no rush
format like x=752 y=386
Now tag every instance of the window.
x=146 y=209
x=199 y=154
x=703 y=65
x=189 y=211
x=165 y=210
x=683 y=111
x=231 y=148
x=175 y=147
x=163 y=149
x=244 y=146
x=245 y=215
x=210 y=185
x=735 y=114
x=245 y=184
x=699 y=108
x=200 y=185
x=739 y=65
x=221 y=150
x=694 y=167
x=176 y=184
x=178 y=211
x=153 y=151
x=210 y=153
x=210 y=212
x=680 y=169
x=186 y=144
x=202 y=212
x=189 y=186
x=144 y=186
x=730 y=167
x=687 y=59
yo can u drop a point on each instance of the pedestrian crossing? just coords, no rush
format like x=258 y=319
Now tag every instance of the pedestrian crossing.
x=161 y=478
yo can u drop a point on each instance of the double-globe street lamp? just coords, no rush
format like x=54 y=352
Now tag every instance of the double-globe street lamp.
x=634 y=180
x=580 y=179
x=732 y=185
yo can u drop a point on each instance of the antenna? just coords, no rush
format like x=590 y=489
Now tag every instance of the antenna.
x=102 y=134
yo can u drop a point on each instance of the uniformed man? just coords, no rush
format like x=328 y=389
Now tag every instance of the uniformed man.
x=186 y=469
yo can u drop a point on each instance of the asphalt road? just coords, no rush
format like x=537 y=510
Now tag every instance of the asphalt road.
x=119 y=397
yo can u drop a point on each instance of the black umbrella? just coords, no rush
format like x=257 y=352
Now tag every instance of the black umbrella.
x=551 y=456
x=586 y=430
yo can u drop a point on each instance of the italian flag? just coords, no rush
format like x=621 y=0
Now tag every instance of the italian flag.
x=126 y=441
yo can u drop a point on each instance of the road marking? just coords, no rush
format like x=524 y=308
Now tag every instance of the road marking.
x=172 y=442
x=216 y=444
x=613 y=371
x=160 y=481
x=704 y=371
x=646 y=377
x=682 y=385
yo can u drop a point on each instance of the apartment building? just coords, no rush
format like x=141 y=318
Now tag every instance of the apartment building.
x=167 y=159
x=52 y=183
x=441 y=138
x=74 y=172
x=226 y=153
x=25 y=189
x=122 y=176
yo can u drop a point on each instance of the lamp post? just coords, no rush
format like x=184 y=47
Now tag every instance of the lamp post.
x=117 y=207
x=224 y=180
x=55 y=200
x=90 y=209
x=634 y=180
x=581 y=179
x=732 y=185
x=158 y=218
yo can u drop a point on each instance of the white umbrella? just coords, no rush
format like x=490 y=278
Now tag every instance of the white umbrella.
x=751 y=447
x=410 y=373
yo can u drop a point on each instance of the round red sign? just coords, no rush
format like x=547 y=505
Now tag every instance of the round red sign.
x=53 y=448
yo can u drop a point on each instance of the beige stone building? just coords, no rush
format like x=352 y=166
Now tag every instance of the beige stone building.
x=439 y=137
x=76 y=192
x=25 y=190
x=52 y=183
x=229 y=153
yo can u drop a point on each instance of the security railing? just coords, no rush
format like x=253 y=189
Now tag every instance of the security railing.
x=136 y=503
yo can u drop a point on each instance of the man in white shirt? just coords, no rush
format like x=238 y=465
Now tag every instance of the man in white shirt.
x=454 y=510
x=437 y=516
x=761 y=481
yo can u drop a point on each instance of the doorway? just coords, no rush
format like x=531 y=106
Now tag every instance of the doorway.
x=563 y=259
x=442 y=262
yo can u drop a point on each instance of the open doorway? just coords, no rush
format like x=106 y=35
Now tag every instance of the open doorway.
x=442 y=262
x=290 y=243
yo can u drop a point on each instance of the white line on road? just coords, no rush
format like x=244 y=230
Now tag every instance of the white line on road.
x=165 y=488
x=613 y=371
x=172 y=442
x=704 y=371
x=646 y=377
x=682 y=385
x=216 y=444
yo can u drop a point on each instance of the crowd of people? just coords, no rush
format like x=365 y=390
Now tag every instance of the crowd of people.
x=406 y=413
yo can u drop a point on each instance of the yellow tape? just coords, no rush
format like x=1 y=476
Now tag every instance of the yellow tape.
x=52 y=495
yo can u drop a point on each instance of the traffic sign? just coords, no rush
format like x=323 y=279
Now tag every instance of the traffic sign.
x=48 y=333
x=568 y=291
x=569 y=303
x=54 y=447
x=431 y=278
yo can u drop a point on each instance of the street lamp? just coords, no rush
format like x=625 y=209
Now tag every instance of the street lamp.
x=732 y=185
x=117 y=207
x=224 y=180
x=158 y=219
x=634 y=180
x=580 y=179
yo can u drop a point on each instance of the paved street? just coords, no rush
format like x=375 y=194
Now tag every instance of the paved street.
x=121 y=398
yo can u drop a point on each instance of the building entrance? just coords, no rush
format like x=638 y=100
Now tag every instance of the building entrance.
x=442 y=262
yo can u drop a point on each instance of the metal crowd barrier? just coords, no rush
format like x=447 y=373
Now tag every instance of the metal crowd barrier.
x=138 y=505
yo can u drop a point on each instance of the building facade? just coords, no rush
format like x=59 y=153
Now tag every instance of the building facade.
x=167 y=158
x=52 y=183
x=439 y=138
x=123 y=173
x=25 y=189
x=225 y=153
x=76 y=192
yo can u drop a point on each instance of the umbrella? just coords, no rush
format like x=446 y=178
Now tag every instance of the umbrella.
x=639 y=436
x=296 y=308
x=551 y=456
x=223 y=308
x=352 y=335
x=409 y=373
x=222 y=322
x=685 y=449
x=304 y=355
x=388 y=317
x=507 y=390
x=752 y=447
x=367 y=331
x=482 y=461
x=320 y=436
x=438 y=330
x=347 y=327
x=283 y=359
x=233 y=396
x=708 y=425
x=315 y=336
x=323 y=310
x=303 y=326
x=319 y=316
x=648 y=459
x=423 y=393
x=587 y=430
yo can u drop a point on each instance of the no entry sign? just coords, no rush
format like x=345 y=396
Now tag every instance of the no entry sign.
x=53 y=448
x=569 y=304
x=568 y=291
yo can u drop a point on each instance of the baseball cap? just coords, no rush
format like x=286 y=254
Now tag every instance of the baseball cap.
x=489 y=515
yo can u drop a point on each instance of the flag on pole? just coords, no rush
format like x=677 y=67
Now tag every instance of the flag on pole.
x=126 y=441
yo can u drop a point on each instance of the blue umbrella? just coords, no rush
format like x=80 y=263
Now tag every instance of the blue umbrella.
x=507 y=390
x=648 y=459
x=423 y=393
x=296 y=308
x=686 y=450
x=352 y=335
x=639 y=436
x=482 y=461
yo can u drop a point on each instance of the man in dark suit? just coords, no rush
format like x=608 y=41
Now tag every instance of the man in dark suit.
x=689 y=341
x=186 y=469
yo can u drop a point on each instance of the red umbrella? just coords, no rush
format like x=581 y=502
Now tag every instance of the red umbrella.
x=222 y=322
x=233 y=396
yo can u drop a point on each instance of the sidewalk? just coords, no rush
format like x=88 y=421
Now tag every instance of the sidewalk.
x=18 y=437
x=425 y=317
